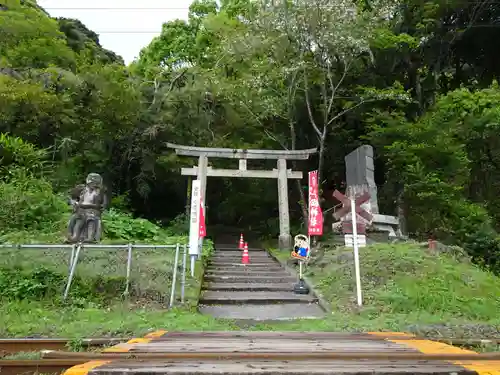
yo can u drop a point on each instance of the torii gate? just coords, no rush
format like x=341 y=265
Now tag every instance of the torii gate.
x=281 y=173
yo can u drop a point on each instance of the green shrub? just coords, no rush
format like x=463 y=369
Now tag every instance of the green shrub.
x=471 y=228
x=42 y=283
x=15 y=153
x=484 y=248
x=122 y=226
x=180 y=225
x=28 y=203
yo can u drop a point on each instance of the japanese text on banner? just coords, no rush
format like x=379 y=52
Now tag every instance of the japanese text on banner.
x=202 y=227
x=315 y=225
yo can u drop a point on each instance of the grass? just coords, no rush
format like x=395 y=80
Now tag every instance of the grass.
x=28 y=318
x=405 y=288
x=101 y=273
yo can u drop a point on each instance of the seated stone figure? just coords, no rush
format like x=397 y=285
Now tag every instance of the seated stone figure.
x=88 y=201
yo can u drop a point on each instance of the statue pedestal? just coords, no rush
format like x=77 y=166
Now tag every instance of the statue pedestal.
x=382 y=229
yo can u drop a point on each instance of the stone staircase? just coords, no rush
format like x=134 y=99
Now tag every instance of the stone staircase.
x=261 y=290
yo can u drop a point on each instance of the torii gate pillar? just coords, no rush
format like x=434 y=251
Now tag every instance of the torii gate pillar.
x=202 y=174
x=285 y=238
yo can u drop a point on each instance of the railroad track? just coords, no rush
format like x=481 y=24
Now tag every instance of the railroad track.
x=62 y=361
x=12 y=346
x=43 y=366
x=262 y=353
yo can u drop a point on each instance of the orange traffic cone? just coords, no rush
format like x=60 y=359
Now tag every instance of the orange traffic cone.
x=245 y=258
x=241 y=244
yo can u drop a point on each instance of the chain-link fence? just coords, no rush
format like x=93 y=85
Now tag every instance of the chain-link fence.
x=143 y=273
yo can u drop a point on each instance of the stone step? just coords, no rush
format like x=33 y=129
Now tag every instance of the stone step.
x=238 y=260
x=211 y=269
x=250 y=279
x=253 y=298
x=239 y=264
x=258 y=254
x=251 y=287
x=235 y=248
x=238 y=254
x=285 y=311
x=242 y=272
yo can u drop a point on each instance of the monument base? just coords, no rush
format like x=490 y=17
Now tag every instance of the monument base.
x=382 y=229
x=301 y=287
x=285 y=242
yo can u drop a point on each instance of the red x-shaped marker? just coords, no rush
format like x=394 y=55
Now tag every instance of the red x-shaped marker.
x=346 y=208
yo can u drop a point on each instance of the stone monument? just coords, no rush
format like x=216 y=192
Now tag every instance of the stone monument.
x=360 y=177
x=88 y=201
x=360 y=174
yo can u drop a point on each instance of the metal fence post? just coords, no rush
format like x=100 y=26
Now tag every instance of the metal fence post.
x=183 y=278
x=71 y=258
x=129 y=265
x=72 y=271
x=174 y=276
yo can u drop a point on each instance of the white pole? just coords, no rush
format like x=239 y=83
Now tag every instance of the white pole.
x=356 y=250
x=300 y=269
x=193 y=261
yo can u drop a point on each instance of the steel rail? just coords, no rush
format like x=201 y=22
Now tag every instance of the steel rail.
x=12 y=346
x=29 y=367
x=66 y=360
x=279 y=355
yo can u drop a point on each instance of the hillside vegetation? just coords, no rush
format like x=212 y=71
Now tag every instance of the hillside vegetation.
x=420 y=86
x=406 y=288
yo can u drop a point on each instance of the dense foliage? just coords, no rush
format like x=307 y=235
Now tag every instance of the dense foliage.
x=415 y=79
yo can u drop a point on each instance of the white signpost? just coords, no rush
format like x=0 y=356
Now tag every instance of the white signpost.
x=356 y=250
x=194 y=226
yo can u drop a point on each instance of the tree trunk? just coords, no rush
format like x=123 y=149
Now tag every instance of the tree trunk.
x=298 y=183
x=321 y=157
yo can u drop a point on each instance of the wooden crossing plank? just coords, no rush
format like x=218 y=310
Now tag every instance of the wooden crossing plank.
x=279 y=367
x=201 y=344
x=248 y=344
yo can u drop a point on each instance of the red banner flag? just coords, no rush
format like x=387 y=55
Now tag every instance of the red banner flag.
x=202 y=228
x=315 y=225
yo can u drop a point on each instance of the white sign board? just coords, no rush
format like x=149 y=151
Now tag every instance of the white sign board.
x=349 y=237
x=194 y=219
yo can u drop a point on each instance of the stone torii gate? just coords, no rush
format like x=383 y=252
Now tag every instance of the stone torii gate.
x=281 y=173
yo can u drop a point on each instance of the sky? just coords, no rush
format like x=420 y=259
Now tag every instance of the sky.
x=123 y=26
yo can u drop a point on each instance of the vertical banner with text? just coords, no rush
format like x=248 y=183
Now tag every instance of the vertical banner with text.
x=194 y=220
x=202 y=227
x=315 y=225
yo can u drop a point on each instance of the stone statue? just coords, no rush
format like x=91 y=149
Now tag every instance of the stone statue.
x=88 y=201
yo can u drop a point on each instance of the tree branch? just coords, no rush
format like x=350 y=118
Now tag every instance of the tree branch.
x=308 y=105
x=274 y=138
x=334 y=89
x=349 y=109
